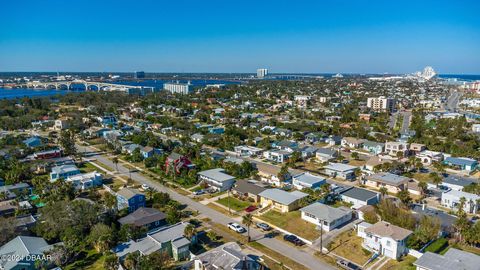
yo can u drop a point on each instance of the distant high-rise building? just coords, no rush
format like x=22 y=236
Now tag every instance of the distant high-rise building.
x=381 y=104
x=139 y=75
x=262 y=72
x=179 y=88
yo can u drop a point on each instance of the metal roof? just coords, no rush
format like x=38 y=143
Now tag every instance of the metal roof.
x=282 y=196
x=359 y=193
x=216 y=174
x=325 y=212
x=452 y=259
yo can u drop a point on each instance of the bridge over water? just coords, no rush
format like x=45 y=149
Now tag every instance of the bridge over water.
x=88 y=86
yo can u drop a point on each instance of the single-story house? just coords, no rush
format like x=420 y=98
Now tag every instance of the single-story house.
x=170 y=240
x=281 y=200
x=326 y=154
x=464 y=164
x=245 y=150
x=10 y=191
x=286 y=145
x=130 y=198
x=374 y=161
x=457 y=182
x=326 y=217
x=352 y=142
x=452 y=259
x=149 y=218
x=307 y=180
x=227 y=256
x=387 y=239
x=392 y=182
x=63 y=172
x=86 y=180
x=130 y=148
x=359 y=197
x=451 y=199
x=247 y=189
x=217 y=179
x=34 y=141
x=149 y=151
x=20 y=251
x=340 y=170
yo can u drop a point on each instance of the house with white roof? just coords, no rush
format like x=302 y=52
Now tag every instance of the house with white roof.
x=307 y=180
x=228 y=256
x=217 y=179
x=277 y=155
x=63 y=172
x=245 y=150
x=340 y=170
x=451 y=199
x=326 y=154
x=427 y=157
x=385 y=238
x=281 y=200
x=86 y=180
x=326 y=217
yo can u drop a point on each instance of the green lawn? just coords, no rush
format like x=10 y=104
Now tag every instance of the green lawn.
x=87 y=167
x=293 y=223
x=405 y=263
x=437 y=246
x=235 y=204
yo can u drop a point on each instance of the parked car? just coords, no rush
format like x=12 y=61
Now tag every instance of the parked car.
x=264 y=226
x=293 y=239
x=199 y=192
x=251 y=208
x=145 y=187
x=236 y=227
x=348 y=265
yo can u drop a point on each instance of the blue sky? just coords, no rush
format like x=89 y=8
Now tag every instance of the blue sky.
x=240 y=36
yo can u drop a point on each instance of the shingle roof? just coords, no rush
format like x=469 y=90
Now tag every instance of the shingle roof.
x=340 y=167
x=21 y=246
x=128 y=192
x=325 y=212
x=452 y=259
x=243 y=186
x=458 y=180
x=282 y=196
x=359 y=193
x=385 y=229
x=143 y=216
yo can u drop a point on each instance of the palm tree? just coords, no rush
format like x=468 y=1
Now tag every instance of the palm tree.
x=247 y=220
x=436 y=179
x=383 y=191
x=190 y=231
x=115 y=161
x=423 y=185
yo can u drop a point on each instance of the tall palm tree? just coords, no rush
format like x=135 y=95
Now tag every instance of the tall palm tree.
x=190 y=231
x=115 y=161
x=423 y=185
x=436 y=178
x=383 y=191
x=247 y=220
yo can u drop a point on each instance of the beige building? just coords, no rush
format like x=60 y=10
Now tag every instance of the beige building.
x=381 y=104
x=392 y=182
x=281 y=200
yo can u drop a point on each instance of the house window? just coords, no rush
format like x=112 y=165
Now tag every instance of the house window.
x=388 y=243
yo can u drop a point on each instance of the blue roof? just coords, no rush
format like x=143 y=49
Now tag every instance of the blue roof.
x=461 y=161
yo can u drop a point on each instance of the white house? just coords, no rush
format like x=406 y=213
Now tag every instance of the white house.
x=279 y=156
x=217 y=179
x=86 y=180
x=326 y=217
x=392 y=148
x=63 y=171
x=387 y=239
x=427 y=157
x=245 y=150
x=451 y=199
x=340 y=170
x=325 y=154
x=307 y=180
x=457 y=182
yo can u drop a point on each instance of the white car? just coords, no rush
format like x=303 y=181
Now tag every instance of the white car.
x=236 y=227
x=145 y=187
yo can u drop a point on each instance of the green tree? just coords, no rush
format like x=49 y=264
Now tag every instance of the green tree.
x=189 y=231
x=101 y=237
x=110 y=262
x=355 y=155
x=435 y=178
x=67 y=142
x=115 y=161
x=383 y=191
x=404 y=197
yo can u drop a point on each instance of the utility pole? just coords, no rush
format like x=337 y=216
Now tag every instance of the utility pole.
x=321 y=237
x=228 y=202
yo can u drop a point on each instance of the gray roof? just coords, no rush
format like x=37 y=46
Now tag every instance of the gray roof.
x=308 y=178
x=359 y=193
x=373 y=144
x=452 y=259
x=22 y=246
x=389 y=178
x=154 y=240
x=227 y=256
x=458 y=180
x=243 y=186
x=64 y=169
x=142 y=216
x=282 y=196
x=216 y=174
x=327 y=151
x=340 y=167
x=445 y=219
x=325 y=212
